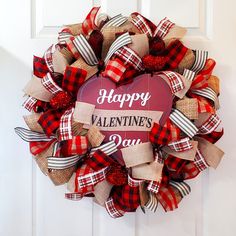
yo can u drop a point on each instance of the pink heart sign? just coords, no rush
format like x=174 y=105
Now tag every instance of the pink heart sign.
x=126 y=113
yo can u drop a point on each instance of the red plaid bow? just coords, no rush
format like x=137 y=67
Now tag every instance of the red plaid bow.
x=174 y=163
x=40 y=67
x=181 y=145
x=88 y=24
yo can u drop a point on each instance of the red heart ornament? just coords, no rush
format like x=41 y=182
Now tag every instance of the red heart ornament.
x=126 y=113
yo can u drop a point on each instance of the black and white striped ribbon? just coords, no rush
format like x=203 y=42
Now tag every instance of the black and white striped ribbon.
x=63 y=36
x=107 y=148
x=189 y=74
x=32 y=136
x=207 y=93
x=152 y=202
x=200 y=60
x=115 y=21
x=182 y=187
x=61 y=163
x=85 y=50
x=121 y=41
x=186 y=125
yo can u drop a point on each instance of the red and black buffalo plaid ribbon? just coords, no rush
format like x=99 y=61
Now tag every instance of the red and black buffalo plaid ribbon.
x=78 y=145
x=40 y=67
x=214 y=136
x=99 y=160
x=159 y=135
x=174 y=163
x=189 y=171
x=73 y=79
x=175 y=53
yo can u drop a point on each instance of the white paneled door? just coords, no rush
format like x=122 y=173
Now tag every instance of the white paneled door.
x=29 y=203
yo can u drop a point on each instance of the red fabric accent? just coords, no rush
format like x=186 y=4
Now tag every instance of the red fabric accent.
x=38 y=147
x=175 y=53
x=89 y=23
x=189 y=171
x=78 y=145
x=174 y=163
x=40 y=67
x=213 y=137
x=73 y=79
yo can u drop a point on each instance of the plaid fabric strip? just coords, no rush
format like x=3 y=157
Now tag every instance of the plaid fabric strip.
x=81 y=171
x=115 y=21
x=190 y=171
x=128 y=76
x=152 y=202
x=213 y=137
x=92 y=178
x=50 y=84
x=32 y=136
x=175 y=79
x=159 y=135
x=61 y=163
x=40 y=106
x=199 y=82
x=114 y=69
x=73 y=79
x=64 y=35
x=48 y=57
x=163 y=27
x=107 y=148
x=167 y=198
x=174 y=130
x=153 y=186
x=181 y=145
x=29 y=103
x=200 y=60
x=36 y=147
x=140 y=22
x=120 y=42
x=183 y=188
x=85 y=50
x=40 y=67
x=175 y=53
x=50 y=121
x=112 y=210
x=130 y=57
x=159 y=156
x=99 y=160
x=65 y=128
x=200 y=162
x=134 y=182
x=208 y=68
x=210 y=124
x=88 y=24
x=183 y=123
x=72 y=48
x=174 y=163
x=73 y=196
x=126 y=197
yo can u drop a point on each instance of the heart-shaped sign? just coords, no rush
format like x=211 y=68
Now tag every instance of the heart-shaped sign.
x=126 y=113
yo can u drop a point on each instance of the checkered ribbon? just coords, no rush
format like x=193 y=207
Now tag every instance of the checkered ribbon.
x=209 y=125
x=174 y=163
x=78 y=145
x=153 y=186
x=48 y=57
x=88 y=24
x=73 y=196
x=175 y=79
x=200 y=60
x=200 y=162
x=183 y=188
x=32 y=136
x=134 y=182
x=92 y=178
x=29 y=103
x=40 y=67
x=190 y=171
x=141 y=23
x=99 y=160
x=114 y=70
x=61 y=163
x=163 y=28
x=214 y=136
x=112 y=210
x=50 y=84
x=181 y=145
x=152 y=202
x=65 y=128
x=108 y=148
x=115 y=21
x=183 y=123
x=130 y=57
x=36 y=147
x=63 y=36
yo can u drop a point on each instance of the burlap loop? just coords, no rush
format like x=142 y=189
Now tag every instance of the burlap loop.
x=140 y=44
x=32 y=122
x=214 y=83
x=59 y=62
x=83 y=112
x=95 y=137
x=137 y=154
x=187 y=61
x=189 y=107
x=35 y=88
x=176 y=32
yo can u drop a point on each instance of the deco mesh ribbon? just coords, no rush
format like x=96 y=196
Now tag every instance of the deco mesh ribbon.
x=120 y=48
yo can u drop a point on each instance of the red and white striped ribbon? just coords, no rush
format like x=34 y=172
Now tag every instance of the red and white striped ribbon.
x=29 y=103
x=50 y=85
x=181 y=145
x=65 y=128
x=163 y=28
x=210 y=124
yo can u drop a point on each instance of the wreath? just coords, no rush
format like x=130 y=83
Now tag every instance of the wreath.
x=122 y=111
